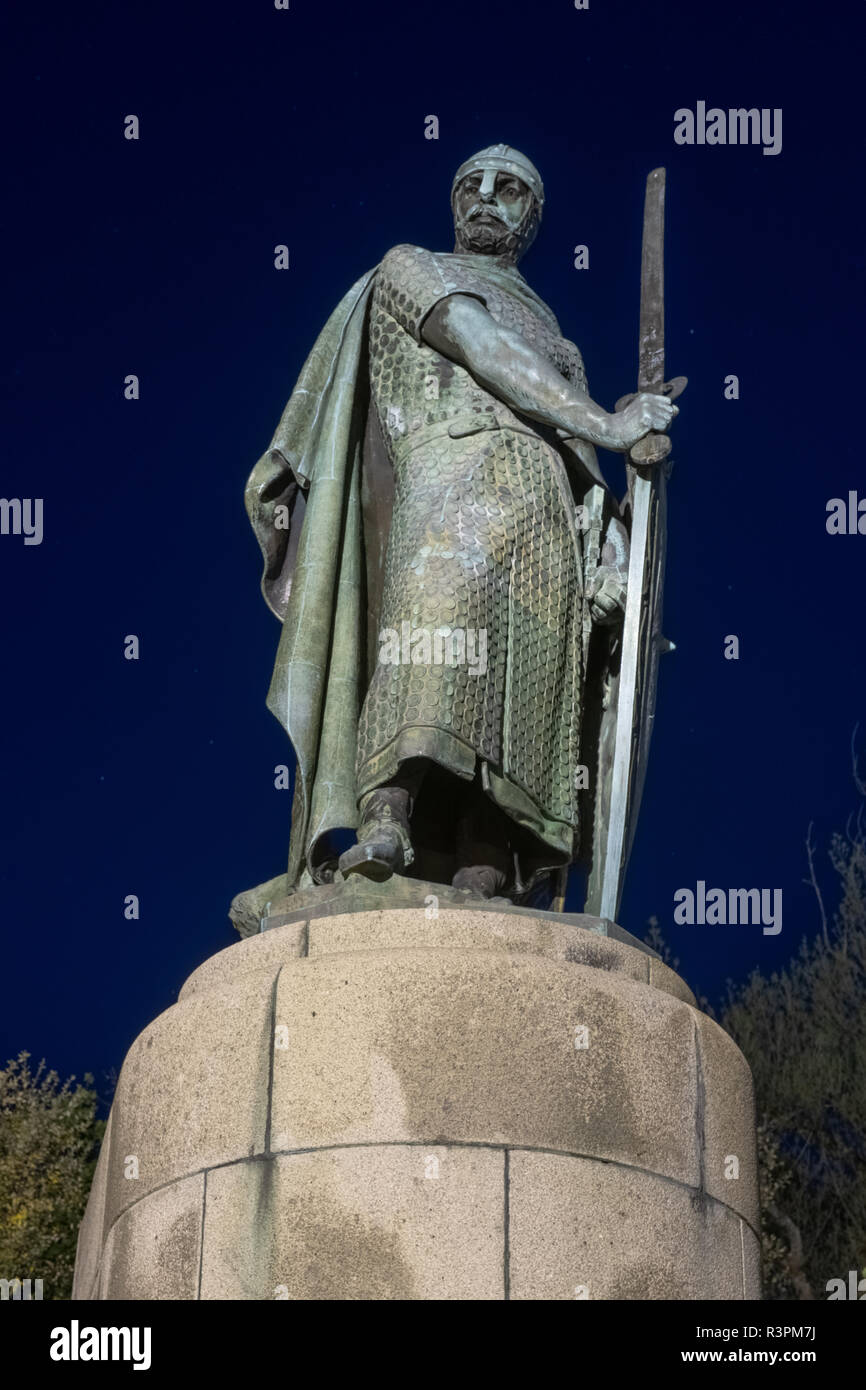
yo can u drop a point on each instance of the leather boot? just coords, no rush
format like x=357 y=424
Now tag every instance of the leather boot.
x=482 y=880
x=384 y=846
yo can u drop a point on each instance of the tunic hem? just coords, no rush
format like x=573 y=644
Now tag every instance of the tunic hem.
x=445 y=748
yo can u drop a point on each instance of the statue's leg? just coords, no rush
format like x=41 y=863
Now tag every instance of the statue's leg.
x=483 y=850
x=384 y=842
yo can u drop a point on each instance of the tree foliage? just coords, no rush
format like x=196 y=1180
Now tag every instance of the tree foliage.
x=49 y=1140
x=803 y=1032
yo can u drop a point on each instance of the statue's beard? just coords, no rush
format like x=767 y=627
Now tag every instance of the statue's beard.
x=490 y=238
x=494 y=237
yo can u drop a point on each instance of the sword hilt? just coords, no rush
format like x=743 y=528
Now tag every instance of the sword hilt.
x=673 y=388
x=653 y=447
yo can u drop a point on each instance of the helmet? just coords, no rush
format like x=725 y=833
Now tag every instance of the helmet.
x=509 y=161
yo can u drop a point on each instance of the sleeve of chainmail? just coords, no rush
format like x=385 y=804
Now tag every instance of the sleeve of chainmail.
x=411 y=282
x=570 y=363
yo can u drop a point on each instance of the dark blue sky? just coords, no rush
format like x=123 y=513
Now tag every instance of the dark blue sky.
x=306 y=127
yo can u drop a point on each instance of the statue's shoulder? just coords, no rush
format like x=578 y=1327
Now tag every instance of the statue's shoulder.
x=404 y=257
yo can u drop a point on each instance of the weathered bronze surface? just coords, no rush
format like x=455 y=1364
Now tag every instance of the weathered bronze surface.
x=449 y=566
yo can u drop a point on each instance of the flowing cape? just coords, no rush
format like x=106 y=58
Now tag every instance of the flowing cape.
x=303 y=501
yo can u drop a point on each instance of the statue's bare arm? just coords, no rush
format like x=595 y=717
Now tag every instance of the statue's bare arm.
x=461 y=329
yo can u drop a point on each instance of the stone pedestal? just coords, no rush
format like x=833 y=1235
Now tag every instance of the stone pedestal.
x=428 y=1103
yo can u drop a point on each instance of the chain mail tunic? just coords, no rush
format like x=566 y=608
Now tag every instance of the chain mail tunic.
x=482 y=540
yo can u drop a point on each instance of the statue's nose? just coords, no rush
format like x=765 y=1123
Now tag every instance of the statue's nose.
x=488 y=185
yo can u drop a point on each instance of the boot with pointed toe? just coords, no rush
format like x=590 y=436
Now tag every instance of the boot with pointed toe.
x=384 y=846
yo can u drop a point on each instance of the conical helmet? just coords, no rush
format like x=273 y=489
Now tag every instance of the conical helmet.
x=507 y=159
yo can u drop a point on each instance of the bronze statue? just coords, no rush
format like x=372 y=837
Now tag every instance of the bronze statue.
x=449 y=566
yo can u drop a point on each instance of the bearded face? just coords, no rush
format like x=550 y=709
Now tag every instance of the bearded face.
x=495 y=214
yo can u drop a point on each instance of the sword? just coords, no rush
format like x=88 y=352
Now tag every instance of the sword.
x=641 y=636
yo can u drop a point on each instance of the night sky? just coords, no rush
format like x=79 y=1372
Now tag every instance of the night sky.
x=156 y=257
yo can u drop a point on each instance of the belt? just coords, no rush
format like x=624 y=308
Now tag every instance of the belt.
x=460 y=427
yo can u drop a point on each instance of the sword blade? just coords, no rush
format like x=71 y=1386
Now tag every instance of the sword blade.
x=651 y=346
x=643 y=485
